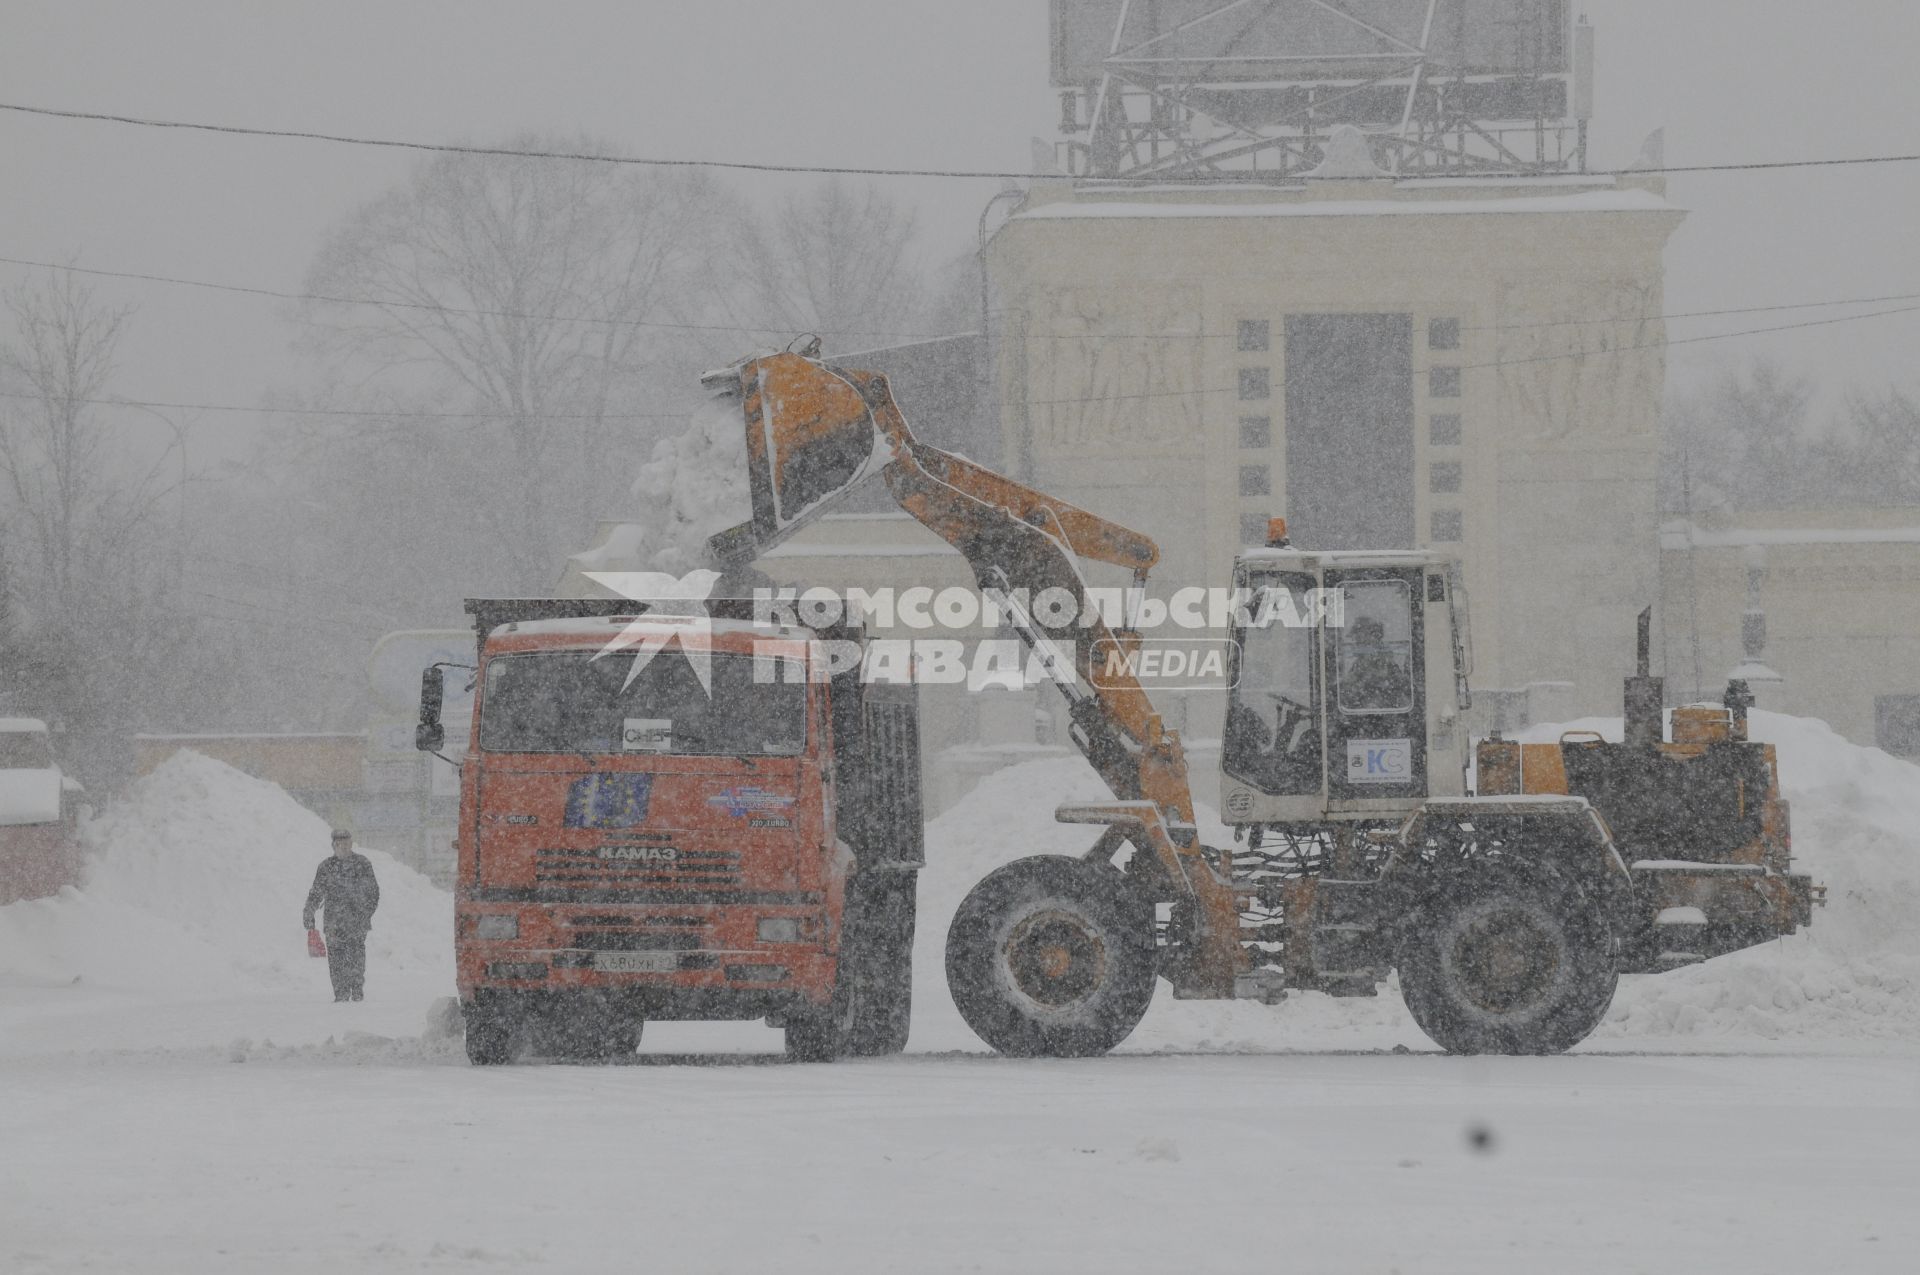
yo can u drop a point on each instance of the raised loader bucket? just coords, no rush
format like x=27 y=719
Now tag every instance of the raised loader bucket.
x=811 y=439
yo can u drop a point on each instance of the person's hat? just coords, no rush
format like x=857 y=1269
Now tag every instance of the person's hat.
x=341 y=834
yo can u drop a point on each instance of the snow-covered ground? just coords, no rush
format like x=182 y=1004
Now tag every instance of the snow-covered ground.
x=179 y=1093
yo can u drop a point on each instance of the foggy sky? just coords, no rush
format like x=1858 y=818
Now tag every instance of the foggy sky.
x=863 y=82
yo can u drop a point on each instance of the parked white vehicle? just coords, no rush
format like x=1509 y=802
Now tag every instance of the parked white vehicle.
x=39 y=807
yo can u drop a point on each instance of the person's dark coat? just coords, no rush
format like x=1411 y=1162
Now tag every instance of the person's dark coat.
x=346 y=889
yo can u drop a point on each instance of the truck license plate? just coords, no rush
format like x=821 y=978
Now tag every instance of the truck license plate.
x=636 y=962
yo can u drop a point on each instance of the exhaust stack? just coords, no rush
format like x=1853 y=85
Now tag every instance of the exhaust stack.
x=1645 y=694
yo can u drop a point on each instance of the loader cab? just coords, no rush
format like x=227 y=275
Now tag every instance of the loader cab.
x=1348 y=685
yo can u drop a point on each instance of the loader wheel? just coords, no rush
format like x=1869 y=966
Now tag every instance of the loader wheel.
x=1052 y=957
x=882 y=911
x=1508 y=963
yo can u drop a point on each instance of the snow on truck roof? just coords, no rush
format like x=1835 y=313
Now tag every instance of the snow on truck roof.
x=598 y=630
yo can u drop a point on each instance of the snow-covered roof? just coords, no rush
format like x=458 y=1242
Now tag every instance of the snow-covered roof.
x=1679 y=535
x=1307 y=559
x=1587 y=201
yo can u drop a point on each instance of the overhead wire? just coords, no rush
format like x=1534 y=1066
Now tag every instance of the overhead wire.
x=850 y=170
x=1499 y=363
x=1030 y=402
x=350 y=412
x=477 y=312
x=537 y=316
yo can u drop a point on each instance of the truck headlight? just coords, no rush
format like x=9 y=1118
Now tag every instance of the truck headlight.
x=497 y=925
x=779 y=929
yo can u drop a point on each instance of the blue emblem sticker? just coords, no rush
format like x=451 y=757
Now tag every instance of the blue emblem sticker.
x=608 y=801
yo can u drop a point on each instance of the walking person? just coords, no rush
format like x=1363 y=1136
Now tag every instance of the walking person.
x=344 y=886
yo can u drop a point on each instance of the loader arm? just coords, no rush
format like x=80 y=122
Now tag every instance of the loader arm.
x=815 y=432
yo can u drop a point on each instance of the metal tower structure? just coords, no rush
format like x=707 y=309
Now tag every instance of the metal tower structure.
x=1250 y=89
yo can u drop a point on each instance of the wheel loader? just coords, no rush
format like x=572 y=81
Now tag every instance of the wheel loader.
x=1508 y=912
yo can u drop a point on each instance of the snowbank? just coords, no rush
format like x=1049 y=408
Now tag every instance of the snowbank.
x=194 y=886
x=1854 y=974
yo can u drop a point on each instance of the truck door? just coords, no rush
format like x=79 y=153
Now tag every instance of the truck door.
x=1376 y=705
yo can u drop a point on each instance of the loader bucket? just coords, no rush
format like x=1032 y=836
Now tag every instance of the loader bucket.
x=811 y=439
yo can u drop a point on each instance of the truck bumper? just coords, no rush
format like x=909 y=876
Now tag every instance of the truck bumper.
x=661 y=984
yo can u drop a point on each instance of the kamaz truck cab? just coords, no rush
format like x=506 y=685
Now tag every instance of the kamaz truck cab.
x=679 y=816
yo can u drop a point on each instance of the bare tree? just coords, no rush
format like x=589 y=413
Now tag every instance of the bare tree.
x=97 y=638
x=532 y=293
x=53 y=445
x=834 y=261
x=1749 y=436
x=1879 y=448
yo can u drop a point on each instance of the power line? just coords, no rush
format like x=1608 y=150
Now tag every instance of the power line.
x=1110 y=398
x=851 y=170
x=278 y=295
x=924 y=336
x=1032 y=402
x=365 y=413
x=1695 y=340
x=1689 y=314
x=1468 y=367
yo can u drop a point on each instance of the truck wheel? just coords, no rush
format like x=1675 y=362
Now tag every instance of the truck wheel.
x=821 y=1035
x=1052 y=957
x=882 y=963
x=1508 y=964
x=489 y=1036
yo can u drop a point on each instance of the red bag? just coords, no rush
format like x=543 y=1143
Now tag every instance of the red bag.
x=316 y=946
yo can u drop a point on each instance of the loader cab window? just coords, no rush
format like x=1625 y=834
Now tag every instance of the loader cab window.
x=1373 y=648
x=1272 y=736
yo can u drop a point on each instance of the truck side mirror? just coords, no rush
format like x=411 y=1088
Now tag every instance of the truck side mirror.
x=430 y=736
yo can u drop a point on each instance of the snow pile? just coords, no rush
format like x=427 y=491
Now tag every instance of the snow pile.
x=1854 y=974
x=695 y=485
x=194 y=885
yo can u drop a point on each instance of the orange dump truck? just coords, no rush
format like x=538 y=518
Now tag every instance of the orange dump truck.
x=687 y=816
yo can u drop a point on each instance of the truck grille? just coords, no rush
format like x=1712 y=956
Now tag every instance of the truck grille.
x=689 y=869
x=617 y=933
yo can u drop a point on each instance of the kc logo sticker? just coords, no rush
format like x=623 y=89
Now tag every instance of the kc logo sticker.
x=1379 y=761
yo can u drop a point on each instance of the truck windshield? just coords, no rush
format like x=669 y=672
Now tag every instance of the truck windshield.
x=582 y=702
